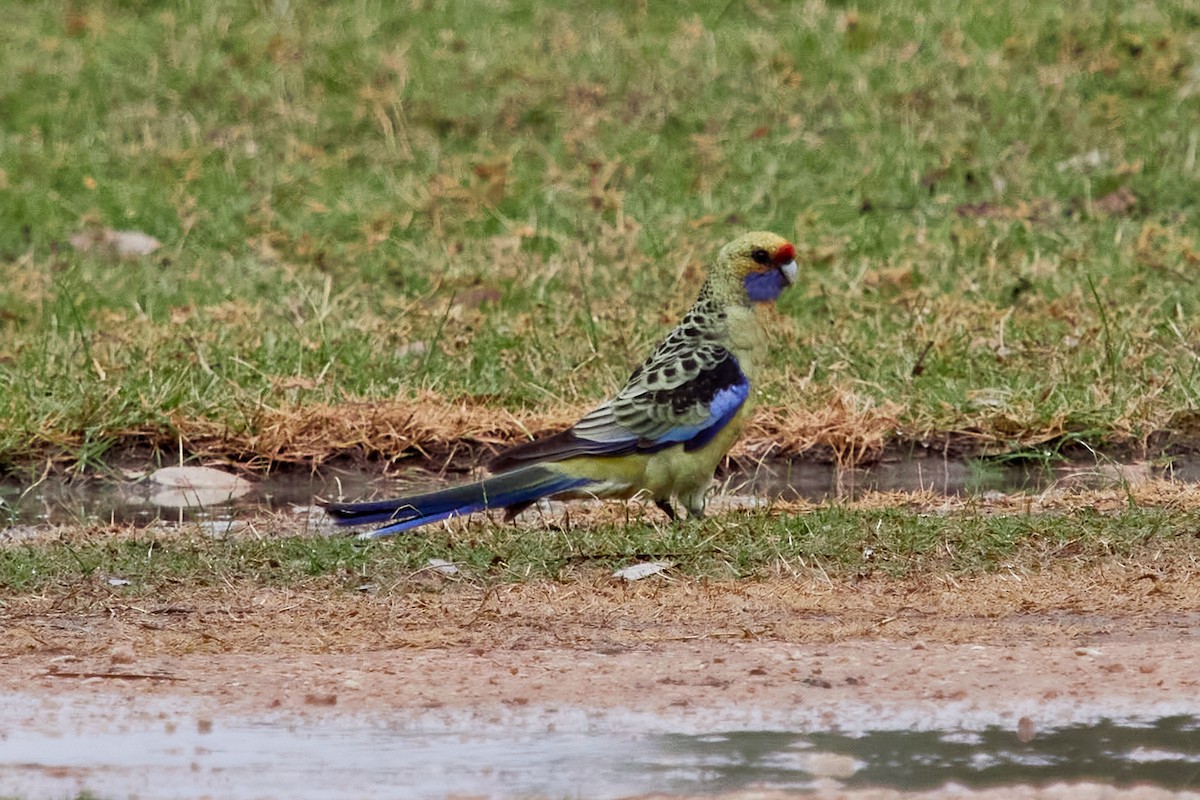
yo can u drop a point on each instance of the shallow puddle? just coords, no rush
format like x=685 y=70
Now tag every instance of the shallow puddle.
x=1163 y=752
x=104 y=500
x=154 y=755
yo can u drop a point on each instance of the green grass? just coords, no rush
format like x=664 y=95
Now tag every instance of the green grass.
x=524 y=190
x=843 y=542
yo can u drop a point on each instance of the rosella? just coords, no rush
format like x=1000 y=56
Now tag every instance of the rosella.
x=661 y=437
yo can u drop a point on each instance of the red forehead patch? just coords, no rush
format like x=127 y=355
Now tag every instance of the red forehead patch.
x=785 y=253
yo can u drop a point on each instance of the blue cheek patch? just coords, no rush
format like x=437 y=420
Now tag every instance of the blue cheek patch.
x=763 y=287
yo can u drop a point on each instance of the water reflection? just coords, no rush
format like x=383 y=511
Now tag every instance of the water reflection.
x=109 y=499
x=1164 y=752
x=342 y=757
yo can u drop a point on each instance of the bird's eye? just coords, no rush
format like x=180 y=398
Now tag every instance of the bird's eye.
x=761 y=256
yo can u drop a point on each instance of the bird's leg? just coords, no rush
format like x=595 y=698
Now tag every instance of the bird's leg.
x=667 y=508
x=511 y=512
x=694 y=503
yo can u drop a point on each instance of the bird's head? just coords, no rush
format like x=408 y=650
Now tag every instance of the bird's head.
x=756 y=267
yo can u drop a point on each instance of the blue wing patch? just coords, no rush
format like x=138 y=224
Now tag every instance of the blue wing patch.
x=720 y=390
x=724 y=406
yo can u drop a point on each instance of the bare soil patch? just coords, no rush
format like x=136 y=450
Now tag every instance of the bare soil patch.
x=1108 y=630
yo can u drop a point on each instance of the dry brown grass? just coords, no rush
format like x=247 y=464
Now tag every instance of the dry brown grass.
x=439 y=431
x=428 y=427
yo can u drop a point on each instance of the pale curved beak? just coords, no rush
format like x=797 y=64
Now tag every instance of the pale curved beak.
x=790 y=271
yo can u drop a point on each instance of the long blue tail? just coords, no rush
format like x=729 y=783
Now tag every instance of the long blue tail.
x=511 y=490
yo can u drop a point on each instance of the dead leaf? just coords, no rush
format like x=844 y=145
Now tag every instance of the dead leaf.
x=199 y=478
x=416 y=348
x=196 y=487
x=1026 y=211
x=933 y=177
x=1117 y=203
x=1083 y=162
x=442 y=566
x=1130 y=168
x=122 y=244
x=294 y=382
x=76 y=21
x=477 y=297
x=636 y=572
x=982 y=210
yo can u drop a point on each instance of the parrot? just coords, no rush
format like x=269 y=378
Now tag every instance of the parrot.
x=661 y=437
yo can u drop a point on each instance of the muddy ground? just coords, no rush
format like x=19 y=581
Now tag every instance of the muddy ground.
x=1114 y=637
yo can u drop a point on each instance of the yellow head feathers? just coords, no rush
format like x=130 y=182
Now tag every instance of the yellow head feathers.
x=755 y=267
